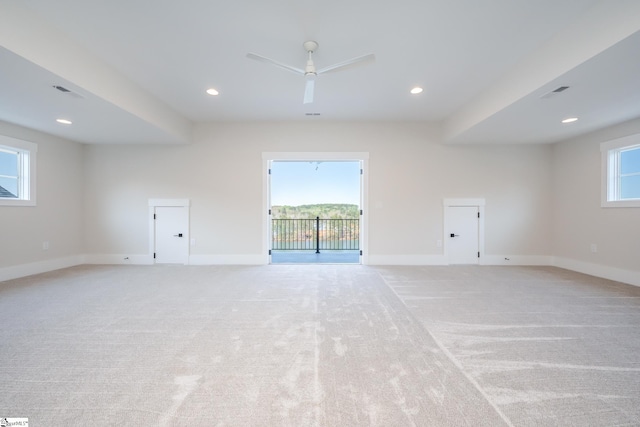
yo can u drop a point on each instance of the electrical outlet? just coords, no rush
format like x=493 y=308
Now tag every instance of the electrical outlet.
x=439 y=243
x=193 y=242
x=45 y=245
x=594 y=248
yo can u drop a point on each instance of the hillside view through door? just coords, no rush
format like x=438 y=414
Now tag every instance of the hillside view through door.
x=315 y=211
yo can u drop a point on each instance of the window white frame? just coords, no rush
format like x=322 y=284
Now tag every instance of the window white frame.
x=27 y=155
x=610 y=172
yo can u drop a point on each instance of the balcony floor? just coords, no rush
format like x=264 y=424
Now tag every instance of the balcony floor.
x=311 y=257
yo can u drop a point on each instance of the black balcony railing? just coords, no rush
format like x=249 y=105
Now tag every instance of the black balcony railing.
x=315 y=234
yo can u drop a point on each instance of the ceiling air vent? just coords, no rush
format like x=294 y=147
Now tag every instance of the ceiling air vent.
x=68 y=92
x=554 y=92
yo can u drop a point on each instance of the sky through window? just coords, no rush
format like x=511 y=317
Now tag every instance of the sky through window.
x=296 y=183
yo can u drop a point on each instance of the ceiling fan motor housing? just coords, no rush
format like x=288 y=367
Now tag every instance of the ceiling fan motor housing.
x=310 y=69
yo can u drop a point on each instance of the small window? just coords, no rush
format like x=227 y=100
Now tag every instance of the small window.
x=629 y=173
x=17 y=172
x=621 y=172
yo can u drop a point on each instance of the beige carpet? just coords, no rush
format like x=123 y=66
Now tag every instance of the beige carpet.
x=319 y=345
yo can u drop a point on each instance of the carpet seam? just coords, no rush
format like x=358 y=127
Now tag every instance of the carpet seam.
x=449 y=355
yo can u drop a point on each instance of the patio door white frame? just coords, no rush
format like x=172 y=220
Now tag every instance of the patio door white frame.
x=362 y=157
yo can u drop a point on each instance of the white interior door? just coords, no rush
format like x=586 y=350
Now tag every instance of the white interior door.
x=362 y=208
x=269 y=216
x=171 y=235
x=463 y=242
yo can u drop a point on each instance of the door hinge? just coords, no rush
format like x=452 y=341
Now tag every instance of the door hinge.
x=269 y=251
x=360 y=253
x=360 y=211
x=154 y=216
x=269 y=171
x=154 y=255
x=269 y=211
x=478 y=254
x=478 y=214
x=361 y=172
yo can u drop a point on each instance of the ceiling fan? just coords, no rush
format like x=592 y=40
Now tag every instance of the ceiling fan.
x=310 y=72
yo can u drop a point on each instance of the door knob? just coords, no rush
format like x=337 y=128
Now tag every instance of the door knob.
x=180 y=235
x=454 y=235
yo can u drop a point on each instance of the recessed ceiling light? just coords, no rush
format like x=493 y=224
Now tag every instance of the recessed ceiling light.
x=213 y=92
x=64 y=121
x=416 y=90
x=570 y=120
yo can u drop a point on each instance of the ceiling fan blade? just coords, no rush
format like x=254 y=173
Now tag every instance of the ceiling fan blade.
x=360 y=60
x=308 y=91
x=276 y=63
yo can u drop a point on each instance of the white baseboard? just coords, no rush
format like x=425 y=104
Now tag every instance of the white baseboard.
x=516 y=260
x=23 y=270
x=611 y=273
x=605 y=272
x=228 y=259
x=443 y=260
x=193 y=259
x=406 y=260
x=114 y=259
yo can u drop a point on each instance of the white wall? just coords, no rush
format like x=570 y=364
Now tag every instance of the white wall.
x=578 y=218
x=540 y=200
x=410 y=173
x=59 y=214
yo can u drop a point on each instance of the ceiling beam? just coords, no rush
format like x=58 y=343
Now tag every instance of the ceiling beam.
x=28 y=35
x=598 y=29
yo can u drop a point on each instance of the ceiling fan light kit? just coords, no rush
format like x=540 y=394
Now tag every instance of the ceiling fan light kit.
x=310 y=72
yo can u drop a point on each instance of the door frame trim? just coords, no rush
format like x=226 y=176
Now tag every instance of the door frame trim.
x=166 y=203
x=471 y=202
x=363 y=157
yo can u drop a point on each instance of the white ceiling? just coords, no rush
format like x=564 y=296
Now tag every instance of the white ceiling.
x=141 y=68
